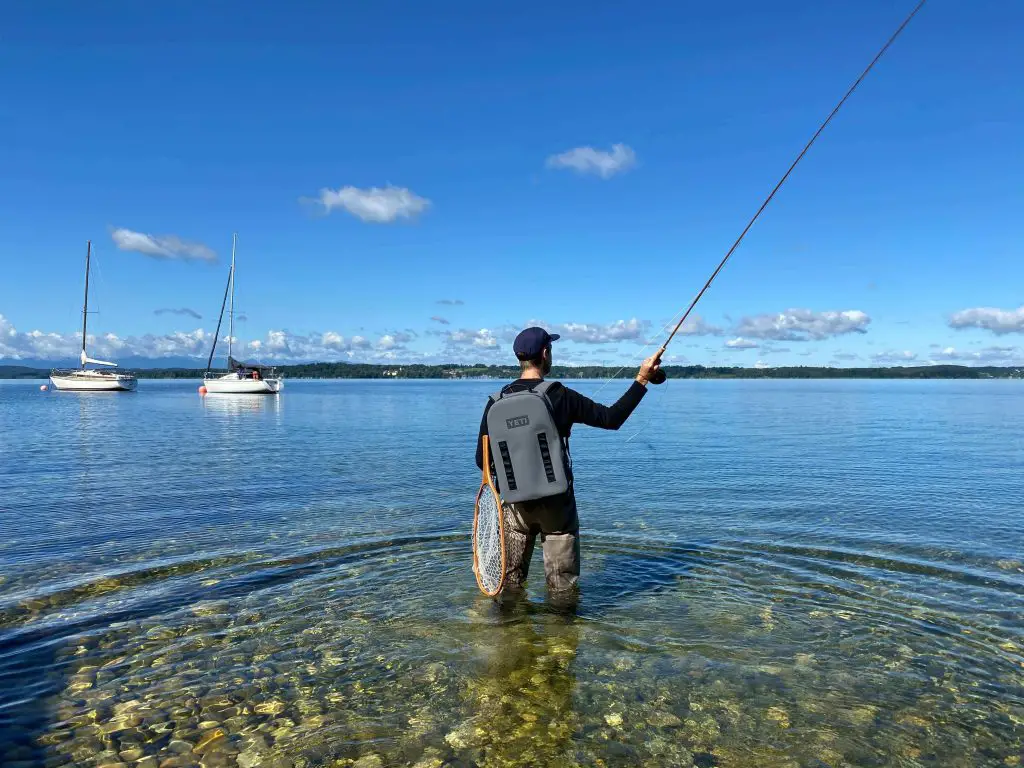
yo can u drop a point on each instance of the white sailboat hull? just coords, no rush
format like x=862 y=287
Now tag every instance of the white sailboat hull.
x=232 y=385
x=93 y=381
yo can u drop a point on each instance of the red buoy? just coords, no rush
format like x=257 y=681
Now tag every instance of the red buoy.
x=202 y=390
x=43 y=388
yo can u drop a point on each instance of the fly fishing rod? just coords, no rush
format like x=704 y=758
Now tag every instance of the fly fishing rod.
x=660 y=376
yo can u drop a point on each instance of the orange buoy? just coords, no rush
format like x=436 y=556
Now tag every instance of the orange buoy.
x=202 y=390
x=43 y=388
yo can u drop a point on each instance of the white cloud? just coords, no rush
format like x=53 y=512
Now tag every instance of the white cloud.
x=596 y=162
x=282 y=346
x=113 y=341
x=278 y=346
x=999 y=321
x=439 y=319
x=633 y=330
x=986 y=356
x=482 y=339
x=802 y=325
x=451 y=302
x=185 y=311
x=332 y=340
x=161 y=246
x=278 y=341
x=189 y=343
x=15 y=345
x=906 y=356
x=695 y=325
x=377 y=205
x=846 y=356
x=761 y=364
x=394 y=341
x=669 y=359
x=740 y=343
x=588 y=333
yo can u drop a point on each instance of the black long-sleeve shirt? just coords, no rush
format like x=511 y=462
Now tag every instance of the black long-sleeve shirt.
x=570 y=407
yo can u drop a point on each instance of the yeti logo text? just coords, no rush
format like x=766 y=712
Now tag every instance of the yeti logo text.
x=518 y=421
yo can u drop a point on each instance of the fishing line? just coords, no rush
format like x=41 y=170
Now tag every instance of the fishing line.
x=785 y=176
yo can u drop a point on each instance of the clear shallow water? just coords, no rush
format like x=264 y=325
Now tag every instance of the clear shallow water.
x=774 y=574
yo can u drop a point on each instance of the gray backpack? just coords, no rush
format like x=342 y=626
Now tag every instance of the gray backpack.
x=530 y=459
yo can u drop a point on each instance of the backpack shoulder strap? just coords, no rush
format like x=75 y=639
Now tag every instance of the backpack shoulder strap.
x=544 y=386
x=542 y=389
x=500 y=393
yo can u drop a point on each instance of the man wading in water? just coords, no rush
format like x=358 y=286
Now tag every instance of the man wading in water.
x=528 y=423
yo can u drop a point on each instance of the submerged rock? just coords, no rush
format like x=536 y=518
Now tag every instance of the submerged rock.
x=217 y=760
x=272 y=707
x=466 y=735
x=54 y=737
x=208 y=740
x=614 y=719
x=663 y=720
x=431 y=758
x=178 y=761
x=778 y=715
x=249 y=759
x=180 y=746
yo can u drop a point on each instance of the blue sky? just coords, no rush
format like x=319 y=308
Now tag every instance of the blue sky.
x=581 y=164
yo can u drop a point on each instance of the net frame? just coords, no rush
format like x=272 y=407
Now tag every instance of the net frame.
x=486 y=581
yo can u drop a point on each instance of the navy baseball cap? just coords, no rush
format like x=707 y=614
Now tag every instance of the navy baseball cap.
x=531 y=342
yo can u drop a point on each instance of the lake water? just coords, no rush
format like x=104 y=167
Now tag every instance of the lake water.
x=775 y=573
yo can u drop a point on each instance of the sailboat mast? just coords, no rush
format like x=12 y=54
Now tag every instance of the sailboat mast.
x=85 y=304
x=231 y=310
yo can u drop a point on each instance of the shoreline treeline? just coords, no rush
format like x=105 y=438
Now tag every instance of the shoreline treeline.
x=480 y=370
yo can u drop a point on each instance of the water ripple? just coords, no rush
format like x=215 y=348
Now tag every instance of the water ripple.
x=842 y=588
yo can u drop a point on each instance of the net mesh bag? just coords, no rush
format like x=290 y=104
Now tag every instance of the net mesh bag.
x=488 y=543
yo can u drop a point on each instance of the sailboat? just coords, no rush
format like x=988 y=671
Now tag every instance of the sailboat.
x=84 y=379
x=241 y=378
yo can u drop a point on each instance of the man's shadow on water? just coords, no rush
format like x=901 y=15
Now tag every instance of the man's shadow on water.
x=522 y=689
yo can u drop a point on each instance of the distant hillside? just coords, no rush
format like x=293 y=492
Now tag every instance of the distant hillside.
x=365 y=371
x=22 y=372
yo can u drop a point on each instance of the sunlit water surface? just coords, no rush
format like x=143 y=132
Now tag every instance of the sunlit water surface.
x=774 y=574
